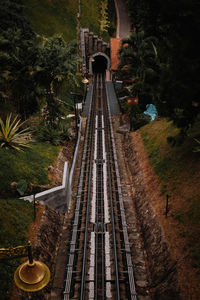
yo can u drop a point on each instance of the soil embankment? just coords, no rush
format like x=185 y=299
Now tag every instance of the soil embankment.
x=163 y=277
x=146 y=185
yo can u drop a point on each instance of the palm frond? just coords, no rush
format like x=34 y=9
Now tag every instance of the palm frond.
x=11 y=136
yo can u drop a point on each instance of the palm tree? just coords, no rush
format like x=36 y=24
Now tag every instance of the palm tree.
x=138 y=54
x=57 y=63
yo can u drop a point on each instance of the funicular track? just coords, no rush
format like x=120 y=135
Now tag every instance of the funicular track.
x=99 y=264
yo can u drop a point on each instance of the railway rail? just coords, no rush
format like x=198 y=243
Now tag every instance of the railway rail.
x=99 y=264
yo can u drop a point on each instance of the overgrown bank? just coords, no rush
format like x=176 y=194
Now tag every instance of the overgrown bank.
x=178 y=168
x=176 y=173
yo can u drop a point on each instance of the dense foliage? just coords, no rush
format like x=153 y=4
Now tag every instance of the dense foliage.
x=32 y=68
x=170 y=79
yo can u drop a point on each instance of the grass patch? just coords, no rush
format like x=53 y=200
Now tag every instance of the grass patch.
x=30 y=165
x=16 y=215
x=178 y=168
x=49 y=17
x=90 y=15
x=169 y=162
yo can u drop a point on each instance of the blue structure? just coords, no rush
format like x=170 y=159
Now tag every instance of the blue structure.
x=151 y=111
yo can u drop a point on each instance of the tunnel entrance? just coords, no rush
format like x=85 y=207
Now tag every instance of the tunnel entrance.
x=98 y=63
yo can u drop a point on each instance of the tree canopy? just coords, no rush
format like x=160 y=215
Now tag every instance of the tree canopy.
x=32 y=67
x=175 y=28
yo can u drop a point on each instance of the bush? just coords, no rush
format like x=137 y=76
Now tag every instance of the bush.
x=176 y=140
x=138 y=118
x=138 y=121
x=55 y=136
x=11 y=136
x=45 y=134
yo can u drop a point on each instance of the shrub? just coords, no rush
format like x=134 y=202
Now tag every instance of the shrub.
x=55 y=136
x=11 y=136
x=139 y=120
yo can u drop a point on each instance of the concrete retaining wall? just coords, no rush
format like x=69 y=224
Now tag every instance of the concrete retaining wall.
x=59 y=197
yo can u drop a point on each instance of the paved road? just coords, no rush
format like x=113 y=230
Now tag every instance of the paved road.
x=123 y=21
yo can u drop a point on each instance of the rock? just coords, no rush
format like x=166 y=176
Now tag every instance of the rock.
x=124 y=129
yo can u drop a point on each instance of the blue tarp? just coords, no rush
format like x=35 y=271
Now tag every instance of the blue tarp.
x=151 y=111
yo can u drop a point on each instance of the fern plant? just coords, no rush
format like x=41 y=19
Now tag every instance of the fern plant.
x=11 y=136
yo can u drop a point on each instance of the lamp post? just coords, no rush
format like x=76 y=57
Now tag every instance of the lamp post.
x=31 y=276
x=85 y=82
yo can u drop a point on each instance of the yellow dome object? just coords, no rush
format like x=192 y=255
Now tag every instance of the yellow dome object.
x=32 y=277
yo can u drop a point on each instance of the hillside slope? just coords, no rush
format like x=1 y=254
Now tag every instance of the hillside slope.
x=49 y=17
x=177 y=169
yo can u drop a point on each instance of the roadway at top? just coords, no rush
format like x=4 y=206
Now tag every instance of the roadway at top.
x=123 y=21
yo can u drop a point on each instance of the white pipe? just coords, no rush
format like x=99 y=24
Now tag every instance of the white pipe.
x=93 y=204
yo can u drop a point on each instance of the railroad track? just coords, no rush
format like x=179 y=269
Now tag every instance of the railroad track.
x=99 y=264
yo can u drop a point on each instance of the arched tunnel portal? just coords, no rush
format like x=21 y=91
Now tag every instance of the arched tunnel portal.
x=98 y=63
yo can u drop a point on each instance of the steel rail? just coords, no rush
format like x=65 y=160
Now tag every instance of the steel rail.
x=79 y=196
x=100 y=231
x=100 y=111
x=132 y=290
x=83 y=276
x=117 y=287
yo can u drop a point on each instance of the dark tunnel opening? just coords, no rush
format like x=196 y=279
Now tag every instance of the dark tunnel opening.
x=99 y=65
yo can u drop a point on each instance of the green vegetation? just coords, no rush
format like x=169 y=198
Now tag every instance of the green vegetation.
x=49 y=17
x=38 y=71
x=178 y=169
x=95 y=14
x=11 y=136
x=163 y=55
x=60 y=17
x=30 y=165
x=15 y=218
x=90 y=15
